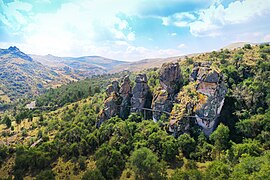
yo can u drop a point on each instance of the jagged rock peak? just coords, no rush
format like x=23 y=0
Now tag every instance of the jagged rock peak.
x=125 y=93
x=141 y=78
x=170 y=77
x=170 y=80
x=125 y=88
x=142 y=97
x=13 y=48
x=208 y=93
x=113 y=87
x=15 y=52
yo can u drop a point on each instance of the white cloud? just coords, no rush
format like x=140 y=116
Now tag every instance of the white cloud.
x=12 y=16
x=179 y=19
x=181 y=46
x=214 y=18
x=165 y=21
x=266 y=38
x=173 y=34
x=76 y=28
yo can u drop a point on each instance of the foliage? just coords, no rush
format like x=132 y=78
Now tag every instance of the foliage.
x=145 y=164
x=237 y=149
x=94 y=174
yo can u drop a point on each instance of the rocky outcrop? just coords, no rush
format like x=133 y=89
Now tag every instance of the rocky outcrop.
x=141 y=96
x=125 y=93
x=114 y=87
x=170 y=77
x=118 y=101
x=170 y=80
x=203 y=99
x=111 y=104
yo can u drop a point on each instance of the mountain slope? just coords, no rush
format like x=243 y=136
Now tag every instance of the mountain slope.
x=85 y=66
x=21 y=76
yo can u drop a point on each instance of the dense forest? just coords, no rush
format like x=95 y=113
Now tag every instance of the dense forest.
x=63 y=141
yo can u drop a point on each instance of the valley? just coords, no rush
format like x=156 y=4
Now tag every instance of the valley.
x=207 y=117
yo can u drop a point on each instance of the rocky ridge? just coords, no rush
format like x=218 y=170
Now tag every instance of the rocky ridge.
x=199 y=102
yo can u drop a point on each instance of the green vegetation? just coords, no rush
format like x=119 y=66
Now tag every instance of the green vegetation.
x=71 y=146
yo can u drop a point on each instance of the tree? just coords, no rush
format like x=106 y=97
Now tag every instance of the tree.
x=247 y=46
x=186 y=144
x=220 y=137
x=109 y=161
x=192 y=174
x=218 y=170
x=46 y=175
x=7 y=121
x=145 y=164
x=93 y=174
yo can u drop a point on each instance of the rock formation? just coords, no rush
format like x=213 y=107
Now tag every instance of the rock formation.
x=111 y=104
x=170 y=77
x=117 y=102
x=203 y=98
x=170 y=80
x=141 y=96
x=125 y=93
x=114 y=87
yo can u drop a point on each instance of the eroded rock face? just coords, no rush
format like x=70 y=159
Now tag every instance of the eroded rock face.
x=212 y=92
x=170 y=77
x=111 y=104
x=111 y=108
x=205 y=100
x=125 y=93
x=170 y=81
x=141 y=95
x=114 y=87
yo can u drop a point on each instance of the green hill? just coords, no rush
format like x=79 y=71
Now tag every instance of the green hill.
x=64 y=142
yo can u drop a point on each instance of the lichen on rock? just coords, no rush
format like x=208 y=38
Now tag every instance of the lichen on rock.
x=170 y=80
x=208 y=92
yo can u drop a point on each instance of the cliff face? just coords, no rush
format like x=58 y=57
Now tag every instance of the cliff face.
x=126 y=94
x=141 y=96
x=123 y=100
x=202 y=99
x=111 y=104
x=170 y=80
x=199 y=102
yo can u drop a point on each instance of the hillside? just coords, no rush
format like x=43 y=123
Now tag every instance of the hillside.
x=81 y=67
x=105 y=134
x=21 y=76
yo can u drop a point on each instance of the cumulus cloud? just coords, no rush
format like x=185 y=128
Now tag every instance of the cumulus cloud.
x=178 y=19
x=76 y=28
x=211 y=20
x=12 y=14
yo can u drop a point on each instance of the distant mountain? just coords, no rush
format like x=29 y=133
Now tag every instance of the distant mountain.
x=21 y=76
x=147 y=63
x=82 y=66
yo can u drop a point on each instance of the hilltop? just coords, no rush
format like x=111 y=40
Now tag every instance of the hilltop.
x=21 y=76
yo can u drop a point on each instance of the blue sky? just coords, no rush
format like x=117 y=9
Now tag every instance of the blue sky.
x=131 y=29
